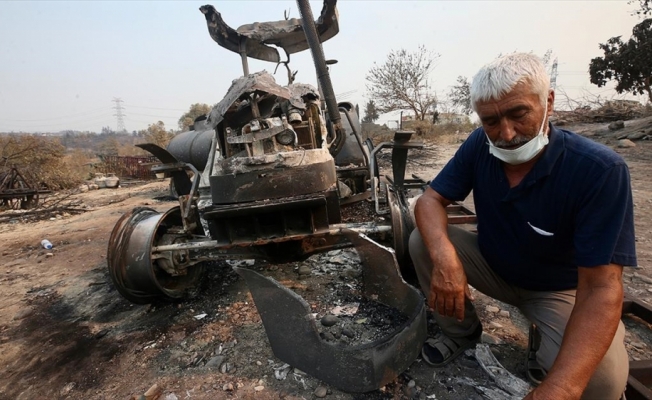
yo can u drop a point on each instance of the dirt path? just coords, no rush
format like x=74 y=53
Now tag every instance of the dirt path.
x=66 y=333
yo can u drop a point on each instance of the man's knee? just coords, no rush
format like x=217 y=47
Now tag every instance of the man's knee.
x=609 y=380
x=416 y=245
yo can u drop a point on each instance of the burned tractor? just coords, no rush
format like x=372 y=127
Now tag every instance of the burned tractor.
x=265 y=176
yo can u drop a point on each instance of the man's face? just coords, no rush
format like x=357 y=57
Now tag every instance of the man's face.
x=513 y=119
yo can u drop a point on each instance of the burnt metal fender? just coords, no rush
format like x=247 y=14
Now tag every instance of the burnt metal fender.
x=293 y=334
x=182 y=182
x=260 y=38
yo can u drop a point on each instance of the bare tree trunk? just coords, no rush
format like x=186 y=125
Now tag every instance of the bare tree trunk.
x=647 y=87
x=416 y=112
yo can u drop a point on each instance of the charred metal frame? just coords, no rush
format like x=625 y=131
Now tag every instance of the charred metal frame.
x=16 y=193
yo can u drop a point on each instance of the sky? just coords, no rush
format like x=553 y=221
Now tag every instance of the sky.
x=63 y=63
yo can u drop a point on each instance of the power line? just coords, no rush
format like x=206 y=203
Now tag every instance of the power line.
x=150 y=115
x=155 y=108
x=119 y=115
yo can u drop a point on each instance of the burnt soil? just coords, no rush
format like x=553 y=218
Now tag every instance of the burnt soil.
x=65 y=333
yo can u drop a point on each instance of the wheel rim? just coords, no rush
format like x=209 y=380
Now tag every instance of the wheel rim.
x=135 y=274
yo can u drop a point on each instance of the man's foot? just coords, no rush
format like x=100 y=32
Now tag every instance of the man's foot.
x=535 y=373
x=441 y=349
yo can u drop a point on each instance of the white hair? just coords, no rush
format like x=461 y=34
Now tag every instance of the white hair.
x=500 y=76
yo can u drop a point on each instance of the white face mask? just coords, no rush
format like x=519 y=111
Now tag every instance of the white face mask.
x=524 y=153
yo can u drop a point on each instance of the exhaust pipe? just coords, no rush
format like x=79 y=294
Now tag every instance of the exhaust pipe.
x=308 y=23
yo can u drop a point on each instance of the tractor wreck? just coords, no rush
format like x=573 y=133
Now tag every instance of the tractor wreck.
x=265 y=176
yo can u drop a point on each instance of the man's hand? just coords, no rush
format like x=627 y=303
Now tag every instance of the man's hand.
x=448 y=285
x=590 y=330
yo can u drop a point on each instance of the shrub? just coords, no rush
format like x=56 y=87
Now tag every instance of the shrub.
x=42 y=161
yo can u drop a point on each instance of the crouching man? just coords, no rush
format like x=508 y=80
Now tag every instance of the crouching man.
x=555 y=228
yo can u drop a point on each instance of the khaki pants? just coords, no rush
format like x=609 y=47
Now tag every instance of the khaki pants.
x=548 y=310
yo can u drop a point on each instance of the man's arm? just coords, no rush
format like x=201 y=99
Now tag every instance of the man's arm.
x=448 y=286
x=589 y=333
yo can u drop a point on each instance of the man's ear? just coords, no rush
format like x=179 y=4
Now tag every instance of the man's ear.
x=551 y=102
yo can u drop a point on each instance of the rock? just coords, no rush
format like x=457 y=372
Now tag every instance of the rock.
x=102 y=333
x=228 y=387
x=329 y=320
x=153 y=392
x=329 y=337
x=614 y=126
x=495 y=325
x=321 y=391
x=490 y=339
x=643 y=278
x=170 y=396
x=412 y=383
x=304 y=270
x=492 y=309
x=504 y=313
x=48 y=255
x=637 y=135
x=215 y=362
x=65 y=391
x=259 y=388
x=625 y=143
x=259 y=363
x=348 y=332
x=25 y=312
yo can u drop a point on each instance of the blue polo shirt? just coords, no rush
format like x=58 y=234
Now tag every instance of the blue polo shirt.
x=574 y=208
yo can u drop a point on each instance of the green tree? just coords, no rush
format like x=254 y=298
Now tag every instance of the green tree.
x=196 y=110
x=628 y=63
x=402 y=82
x=370 y=112
x=460 y=95
x=156 y=133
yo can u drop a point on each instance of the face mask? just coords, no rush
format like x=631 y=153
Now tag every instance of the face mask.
x=524 y=153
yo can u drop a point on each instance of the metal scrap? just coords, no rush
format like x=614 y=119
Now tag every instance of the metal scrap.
x=254 y=39
x=294 y=337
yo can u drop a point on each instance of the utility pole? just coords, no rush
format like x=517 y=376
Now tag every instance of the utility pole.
x=553 y=75
x=119 y=115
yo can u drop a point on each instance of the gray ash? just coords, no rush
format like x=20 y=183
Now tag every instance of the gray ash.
x=369 y=322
